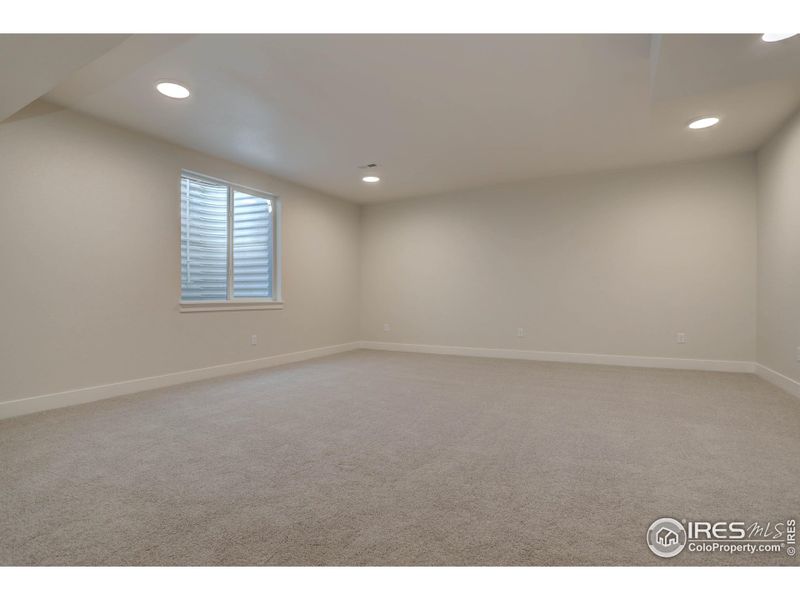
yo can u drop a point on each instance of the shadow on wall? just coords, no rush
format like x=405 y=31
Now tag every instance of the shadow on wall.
x=37 y=108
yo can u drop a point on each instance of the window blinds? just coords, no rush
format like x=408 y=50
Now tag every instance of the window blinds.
x=220 y=262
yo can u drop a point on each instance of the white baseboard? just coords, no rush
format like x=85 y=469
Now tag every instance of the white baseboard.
x=23 y=406
x=697 y=364
x=782 y=381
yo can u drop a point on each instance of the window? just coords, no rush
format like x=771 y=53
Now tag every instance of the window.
x=228 y=245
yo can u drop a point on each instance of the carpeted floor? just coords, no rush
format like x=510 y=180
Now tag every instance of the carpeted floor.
x=375 y=458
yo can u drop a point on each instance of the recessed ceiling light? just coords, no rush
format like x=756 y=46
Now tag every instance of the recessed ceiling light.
x=370 y=179
x=173 y=90
x=703 y=122
x=777 y=37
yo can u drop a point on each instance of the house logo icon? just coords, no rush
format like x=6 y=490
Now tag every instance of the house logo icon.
x=666 y=537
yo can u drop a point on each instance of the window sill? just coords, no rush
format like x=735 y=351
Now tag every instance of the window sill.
x=190 y=307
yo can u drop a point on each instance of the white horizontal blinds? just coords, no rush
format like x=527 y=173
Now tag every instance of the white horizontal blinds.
x=204 y=240
x=253 y=243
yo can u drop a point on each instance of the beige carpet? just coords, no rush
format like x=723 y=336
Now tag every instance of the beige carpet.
x=370 y=458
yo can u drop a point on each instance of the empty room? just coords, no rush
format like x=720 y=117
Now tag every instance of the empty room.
x=399 y=299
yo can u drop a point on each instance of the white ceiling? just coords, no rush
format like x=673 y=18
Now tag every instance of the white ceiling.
x=443 y=112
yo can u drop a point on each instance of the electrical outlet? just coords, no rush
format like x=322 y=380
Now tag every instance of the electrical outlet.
x=680 y=337
x=520 y=332
x=387 y=327
x=253 y=340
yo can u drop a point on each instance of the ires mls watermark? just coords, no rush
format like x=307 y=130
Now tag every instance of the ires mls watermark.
x=668 y=537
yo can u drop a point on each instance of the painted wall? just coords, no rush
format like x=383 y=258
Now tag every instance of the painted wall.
x=90 y=260
x=779 y=251
x=613 y=263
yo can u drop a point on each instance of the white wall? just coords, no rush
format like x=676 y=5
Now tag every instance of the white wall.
x=613 y=263
x=90 y=261
x=779 y=251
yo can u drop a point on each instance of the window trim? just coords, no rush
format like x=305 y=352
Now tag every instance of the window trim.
x=231 y=303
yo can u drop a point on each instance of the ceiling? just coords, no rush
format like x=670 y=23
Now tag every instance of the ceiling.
x=31 y=65
x=441 y=112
